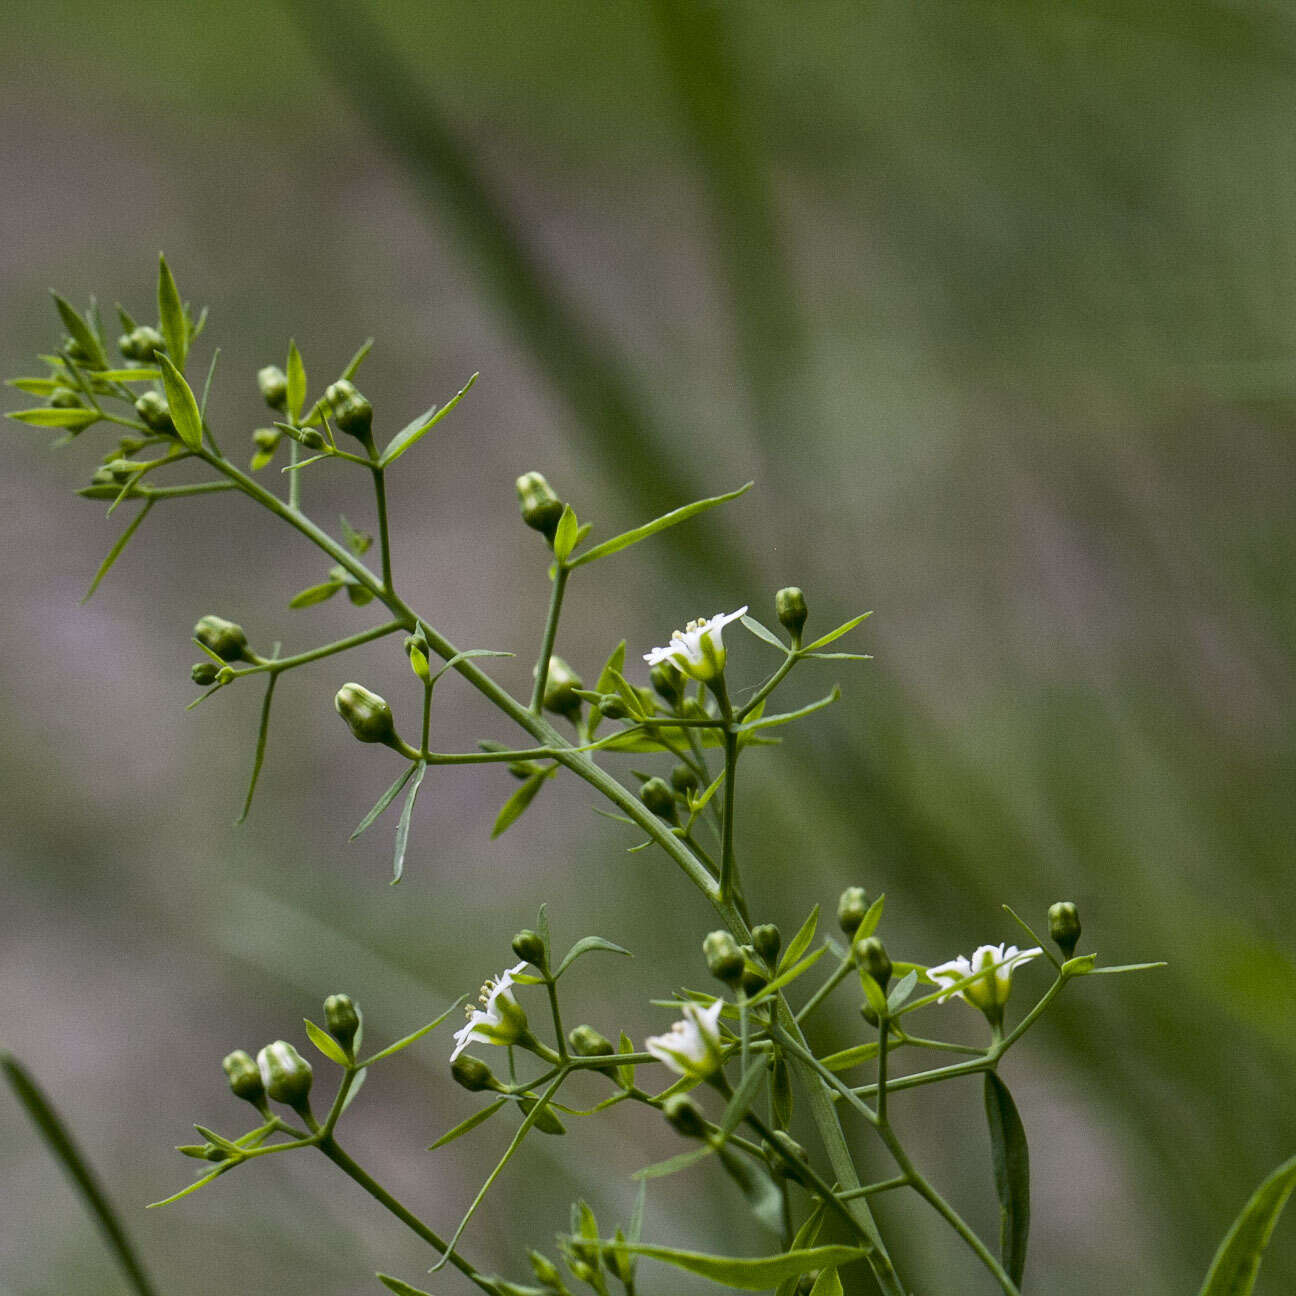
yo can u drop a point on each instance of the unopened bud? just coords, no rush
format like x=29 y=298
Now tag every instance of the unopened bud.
x=685 y=1116
x=286 y=1074
x=351 y=411
x=724 y=959
x=203 y=673
x=224 y=638
x=153 y=412
x=613 y=708
x=587 y=1042
x=1064 y=927
x=656 y=794
x=546 y=1120
x=668 y=682
x=790 y=605
x=266 y=439
x=473 y=1074
x=873 y=959
x=852 y=905
x=273 y=383
x=530 y=946
x=541 y=508
x=141 y=343
x=766 y=940
x=753 y=980
x=684 y=779
x=65 y=398
x=561 y=683
x=416 y=649
x=546 y=1272
x=311 y=438
x=244 y=1077
x=368 y=715
x=342 y=1018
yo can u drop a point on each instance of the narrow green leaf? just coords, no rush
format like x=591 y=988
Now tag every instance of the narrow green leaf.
x=697 y=806
x=806 y=1236
x=385 y=800
x=47 y=416
x=96 y=358
x=358 y=359
x=801 y=941
x=902 y=990
x=295 y=372
x=116 y=551
x=850 y=1057
x=326 y=1043
x=762 y=633
x=211 y=373
x=606 y=684
x=1030 y=931
x=872 y=916
x=873 y=993
x=465 y=656
x=1125 y=967
x=263 y=732
x=129 y=375
x=837 y=634
x=359 y=542
x=171 y=316
x=787 y=717
x=750 y=1275
x=626 y=1071
x=127 y=319
x=1011 y=1160
x=314 y=594
x=414 y=432
x=180 y=401
x=827 y=1284
x=412 y=1037
x=479 y=1117
x=564 y=540
x=193 y=1187
x=403 y=826
x=757 y=1187
x=356 y=1085
x=1236 y=1264
x=400 y=1288
x=627 y=538
x=513 y=809
x=789 y=975
x=408 y=435
x=34 y=386
x=743 y=1096
x=587 y=946
x=840 y=656
x=58 y=1139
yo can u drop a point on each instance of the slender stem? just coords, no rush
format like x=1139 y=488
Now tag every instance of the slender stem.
x=886 y=1185
x=884 y=1031
x=276 y=665
x=407 y=1217
x=294 y=478
x=838 y=976
x=550 y=634
x=380 y=500
x=769 y=686
x=427 y=717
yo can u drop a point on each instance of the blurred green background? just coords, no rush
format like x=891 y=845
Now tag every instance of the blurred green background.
x=995 y=301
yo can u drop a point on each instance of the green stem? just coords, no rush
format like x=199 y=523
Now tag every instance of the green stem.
x=839 y=975
x=380 y=500
x=769 y=686
x=294 y=478
x=550 y=635
x=277 y=665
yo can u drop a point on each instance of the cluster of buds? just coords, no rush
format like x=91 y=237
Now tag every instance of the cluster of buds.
x=351 y=410
x=541 y=508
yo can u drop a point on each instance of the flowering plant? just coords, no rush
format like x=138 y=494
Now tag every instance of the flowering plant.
x=784 y=1120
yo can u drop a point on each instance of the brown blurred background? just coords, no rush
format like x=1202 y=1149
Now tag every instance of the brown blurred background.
x=995 y=302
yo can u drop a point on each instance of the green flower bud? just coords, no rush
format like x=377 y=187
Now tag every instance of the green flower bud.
x=121 y=469
x=102 y=476
x=153 y=412
x=753 y=980
x=473 y=1074
x=807 y=1282
x=790 y=605
x=529 y=945
x=286 y=1075
x=311 y=439
x=852 y=905
x=685 y=1116
x=684 y=780
x=74 y=350
x=244 y=1077
x=342 y=1018
x=767 y=939
x=65 y=398
x=724 y=959
x=274 y=387
x=203 y=673
x=141 y=343
x=368 y=715
x=613 y=708
x=541 y=508
x=351 y=411
x=585 y=1041
x=129 y=445
x=416 y=649
x=1064 y=927
x=266 y=439
x=561 y=684
x=873 y=959
x=656 y=794
x=546 y=1273
x=668 y=682
x=222 y=637
x=546 y=1121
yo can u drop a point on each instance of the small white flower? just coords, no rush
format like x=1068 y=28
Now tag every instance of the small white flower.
x=989 y=992
x=499 y=1020
x=691 y=1047
x=698 y=650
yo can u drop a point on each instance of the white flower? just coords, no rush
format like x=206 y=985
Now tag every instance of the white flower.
x=691 y=1047
x=698 y=650
x=989 y=992
x=500 y=1019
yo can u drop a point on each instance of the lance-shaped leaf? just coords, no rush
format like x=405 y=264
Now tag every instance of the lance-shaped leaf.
x=827 y=1284
x=627 y=538
x=399 y=1287
x=296 y=376
x=1011 y=1161
x=850 y=1057
x=762 y=633
x=801 y=941
x=411 y=1037
x=872 y=916
x=587 y=946
x=313 y=594
x=171 y=316
x=513 y=809
x=326 y=1043
x=788 y=975
x=403 y=826
x=757 y=1187
x=116 y=551
x=180 y=401
x=263 y=733
x=564 y=540
x=787 y=717
x=129 y=375
x=837 y=634
x=479 y=1117
x=82 y=333
x=47 y=416
x=408 y=435
x=1236 y=1264
x=750 y=1274
x=673 y=1165
x=743 y=1096
x=385 y=800
x=58 y=1140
